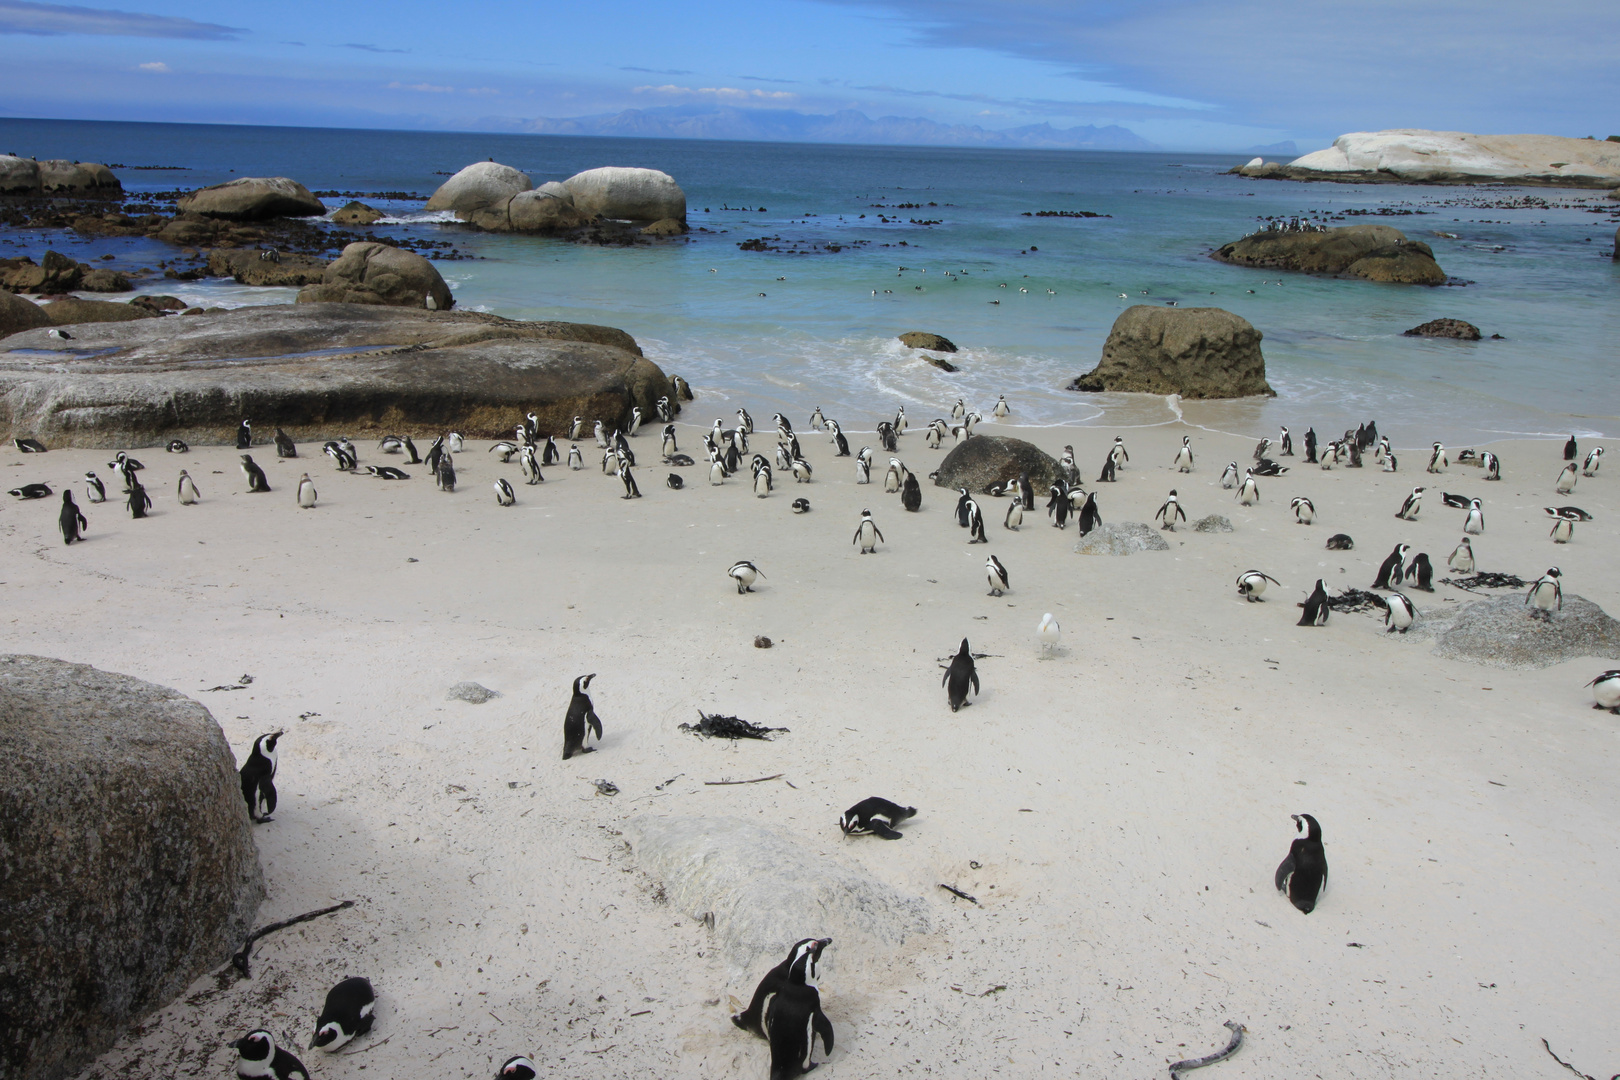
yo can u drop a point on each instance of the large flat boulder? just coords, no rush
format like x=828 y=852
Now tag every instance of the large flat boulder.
x=1502 y=632
x=1121 y=538
x=17 y=314
x=317 y=370
x=765 y=890
x=1372 y=252
x=371 y=273
x=631 y=194
x=81 y=178
x=73 y=311
x=983 y=460
x=129 y=862
x=18 y=175
x=1417 y=156
x=1194 y=352
x=252 y=198
x=480 y=184
x=246 y=266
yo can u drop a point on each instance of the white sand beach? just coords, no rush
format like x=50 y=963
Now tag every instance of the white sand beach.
x=1117 y=809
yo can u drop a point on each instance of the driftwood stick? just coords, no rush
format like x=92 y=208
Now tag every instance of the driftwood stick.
x=757 y=780
x=954 y=891
x=240 y=960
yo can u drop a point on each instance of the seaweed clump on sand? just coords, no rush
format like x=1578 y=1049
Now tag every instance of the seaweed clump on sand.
x=1476 y=582
x=716 y=726
x=1355 y=600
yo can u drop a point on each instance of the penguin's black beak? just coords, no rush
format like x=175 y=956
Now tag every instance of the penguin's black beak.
x=1298 y=822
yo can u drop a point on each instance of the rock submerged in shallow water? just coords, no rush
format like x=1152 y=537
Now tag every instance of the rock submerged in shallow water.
x=1194 y=352
x=472 y=693
x=130 y=865
x=1373 y=252
x=1503 y=633
x=1445 y=328
x=764 y=889
x=356 y=212
x=1212 y=523
x=922 y=339
x=1121 y=538
x=983 y=460
x=252 y=198
x=72 y=312
x=371 y=273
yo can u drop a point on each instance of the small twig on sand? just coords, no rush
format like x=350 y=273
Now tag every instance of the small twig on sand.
x=368 y=1046
x=240 y=960
x=1564 y=1063
x=954 y=891
x=757 y=780
x=604 y=1049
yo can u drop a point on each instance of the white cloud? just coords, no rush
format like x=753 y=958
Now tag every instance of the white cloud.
x=156 y=66
x=718 y=93
x=420 y=88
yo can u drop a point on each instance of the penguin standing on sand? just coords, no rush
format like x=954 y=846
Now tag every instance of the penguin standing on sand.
x=762 y=481
x=1389 y=571
x=285 y=447
x=1546 y=593
x=744 y=574
x=1411 y=505
x=504 y=495
x=72 y=521
x=255 y=476
x=445 y=474
x=875 y=817
x=1316 y=606
x=911 y=493
x=580 y=719
x=1566 y=479
x=1606 y=691
x=1462 y=557
x=976 y=524
x=1108 y=470
x=259 y=1058
x=1570 y=449
x=94 y=490
x=258 y=774
x=1229 y=475
x=244 y=435
x=631 y=490
x=1287 y=441
x=139 y=502
x=1015 y=515
x=793 y=1020
x=529 y=466
x=1090 y=516
x=957 y=677
x=997 y=575
x=549 y=455
x=1184 y=456
x=867 y=534
x=1304 y=873
x=1169 y=510
x=412 y=458
x=1304 y=509
x=1249 y=491
x=797 y=970
x=1057 y=507
x=1475 y=522
x=1563 y=530
x=1399 y=614
x=347 y=1013
x=1252 y=583
x=306 y=492
x=576 y=460
x=186 y=489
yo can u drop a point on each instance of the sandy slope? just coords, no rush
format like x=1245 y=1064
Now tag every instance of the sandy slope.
x=1126 y=801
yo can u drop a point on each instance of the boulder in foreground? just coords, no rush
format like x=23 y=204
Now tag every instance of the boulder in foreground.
x=17 y=314
x=1417 y=156
x=73 y=311
x=765 y=890
x=1445 y=328
x=1372 y=252
x=319 y=371
x=371 y=273
x=130 y=865
x=1194 y=352
x=922 y=339
x=481 y=184
x=1502 y=632
x=252 y=198
x=982 y=460
x=629 y=194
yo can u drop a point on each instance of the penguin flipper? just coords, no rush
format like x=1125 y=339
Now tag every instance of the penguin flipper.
x=884 y=831
x=594 y=723
x=1285 y=870
x=823 y=1027
x=974 y=675
x=267 y=796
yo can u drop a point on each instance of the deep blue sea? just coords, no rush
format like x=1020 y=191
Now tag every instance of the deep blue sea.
x=781 y=330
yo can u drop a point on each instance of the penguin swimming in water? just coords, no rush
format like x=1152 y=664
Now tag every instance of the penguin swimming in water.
x=1304 y=509
x=94 y=490
x=1341 y=542
x=959 y=675
x=1184 y=456
x=347 y=1013
x=867 y=534
x=1316 y=606
x=504 y=495
x=1303 y=874
x=744 y=572
x=1251 y=584
x=581 y=718
x=793 y=1019
x=244 y=435
x=72 y=521
x=1000 y=410
x=1399 y=614
x=997 y=574
x=1606 y=691
x=186 y=489
x=911 y=494
x=1462 y=557
x=875 y=817
x=1411 y=505
x=1169 y=510
x=306 y=492
x=259 y=1058
x=1389 y=571
x=255 y=476
x=799 y=969
x=258 y=775
x=139 y=501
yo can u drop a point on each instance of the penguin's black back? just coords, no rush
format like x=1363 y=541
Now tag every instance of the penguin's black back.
x=1422 y=572
x=911 y=494
x=959 y=675
x=1316 y=608
x=1303 y=874
x=581 y=712
x=793 y=1019
x=346 y=1006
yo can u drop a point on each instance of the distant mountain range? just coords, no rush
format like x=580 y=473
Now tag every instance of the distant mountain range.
x=844 y=126
x=1279 y=149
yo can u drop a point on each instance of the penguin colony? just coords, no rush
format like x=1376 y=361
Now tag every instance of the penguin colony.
x=786 y=1007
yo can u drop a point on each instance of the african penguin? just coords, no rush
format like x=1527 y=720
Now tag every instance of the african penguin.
x=1287 y=444
x=1090 y=516
x=867 y=534
x=1492 y=465
x=911 y=493
x=285 y=447
x=1437 y=459
x=743 y=573
x=1563 y=530
x=72 y=521
x=306 y=492
x=1184 y=456
x=255 y=476
x=1411 y=505
x=94 y=490
x=631 y=489
x=674 y=482
x=1304 y=873
x=1316 y=606
x=1475 y=522
x=259 y=1058
x=793 y=1019
x=517 y=1068
x=1389 y=571
x=1462 y=558
x=997 y=575
x=244 y=435
x=1566 y=479
x=176 y=446
x=576 y=460
x=186 y=489
x=1546 y=593
x=1606 y=691
x=1420 y=572
x=580 y=720
x=1000 y=410
x=1249 y=492
x=1251 y=584
x=875 y=817
x=504 y=495
x=801 y=506
x=1304 y=509
x=1169 y=510
x=957 y=677
x=1015 y=515
x=258 y=774
x=1399 y=614
x=139 y=501
x=1341 y=542
x=347 y=1013
x=1570 y=449
x=799 y=969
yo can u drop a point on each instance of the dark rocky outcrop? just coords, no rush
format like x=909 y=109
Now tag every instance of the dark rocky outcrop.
x=1372 y=252
x=81 y=179
x=101 y=279
x=54 y=273
x=73 y=311
x=983 y=460
x=130 y=867
x=317 y=370
x=246 y=267
x=17 y=314
x=481 y=184
x=922 y=339
x=665 y=227
x=356 y=212
x=1194 y=352
x=1502 y=632
x=252 y=198
x=372 y=273
x=1445 y=328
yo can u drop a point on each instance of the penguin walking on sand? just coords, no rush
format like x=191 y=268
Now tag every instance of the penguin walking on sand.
x=1169 y=510
x=669 y=449
x=1606 y=691
x=1249 y=491
x=1107 y=475
x=139 y=502
x=1000 y=410
x=875 y=817
x=1251 y=585
x=744 y=574
x=1303 y=874
x=762 y=481
x=1090 y=516
x=72 y=521
x=244 y=435
x=1566 y=479
x=185 y=489
x=348 y=1012
x=1462 y=558
x=1411 y=505
x=549 y=454
x=1015 y=515
x=1475 y=522
x=1287 y=444
x=94 y=490
x=1546 y=594
x=1438 y=461
x=997 y=575
x=285 y=447
x=976 y=524
x=412 y=457
x=1057 y=507
x=504 y=495
x=256 y=481
x=1184 y=456
x=576 y=460
x=631 y=490
x=1389 y=571
x=1310 y=446
x=446 y=474
x=258 y=775
x=911 y=494
x=529 y=466
x=1570 y=449
x=1399 y=614
x=259 y=1058
x=1304 y=509
x=957 y=677
x=793 y=1021
x=799 y=969
x=581 y=719
x=1316 y=606
x=306 y=492
x=1229 y=475
x=1117 y=454
x=867 y=534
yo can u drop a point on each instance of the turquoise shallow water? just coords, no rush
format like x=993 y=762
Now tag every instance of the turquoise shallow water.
x=1538 y=274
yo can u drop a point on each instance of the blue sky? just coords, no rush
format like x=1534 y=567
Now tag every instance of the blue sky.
x=1187 y=74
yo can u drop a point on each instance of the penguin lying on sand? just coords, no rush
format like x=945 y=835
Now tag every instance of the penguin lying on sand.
x=875 y=816
x=259 y=1058
x=348 y=1012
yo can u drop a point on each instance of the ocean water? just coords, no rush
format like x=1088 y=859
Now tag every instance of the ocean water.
x=1028 y=299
